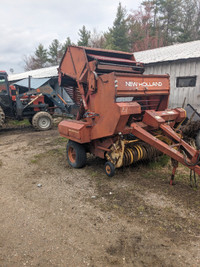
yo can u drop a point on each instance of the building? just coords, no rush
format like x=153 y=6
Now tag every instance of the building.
x=182 y=63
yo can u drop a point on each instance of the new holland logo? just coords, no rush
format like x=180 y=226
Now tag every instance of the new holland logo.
x=145 y=84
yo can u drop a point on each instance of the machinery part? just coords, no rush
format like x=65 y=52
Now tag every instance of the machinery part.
x=76 y=154
x=139 y=152
x=42 y=121
x=109 y=169
x=30 y=120
x=175 y=166
x=2 y=117
x=197 y=140
x=122 y=103
x=18 y=102
x=124 y=155
x=193 y=180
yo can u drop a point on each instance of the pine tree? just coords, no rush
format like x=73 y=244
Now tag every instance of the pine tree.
x=55 y=52
x=84 y=37
x=38 y=60
x=41 y=56
x=65 y=45
x=190 y=26
x=170 y=16
x=117 y=37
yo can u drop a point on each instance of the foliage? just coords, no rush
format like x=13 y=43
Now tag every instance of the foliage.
x=55 y=52
x=39 y=60
x=155 y=23
x=84 y=37
x=97 y=39
x=117 y=36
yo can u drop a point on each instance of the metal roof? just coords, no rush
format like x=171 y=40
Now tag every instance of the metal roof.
x=35 y=83
x=39 y=73
x=170 y=53
x=163 y=54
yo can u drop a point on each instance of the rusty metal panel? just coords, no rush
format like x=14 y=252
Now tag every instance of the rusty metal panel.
x=142 y=85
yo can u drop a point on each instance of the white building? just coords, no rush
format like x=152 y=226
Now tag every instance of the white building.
x=182 y=63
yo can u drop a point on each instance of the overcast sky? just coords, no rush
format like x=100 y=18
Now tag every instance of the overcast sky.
x=26 y=23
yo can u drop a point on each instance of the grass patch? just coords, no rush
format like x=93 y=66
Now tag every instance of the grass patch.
x=24 y=122
x=56 y=152
x=60 y=140
x=159 y=162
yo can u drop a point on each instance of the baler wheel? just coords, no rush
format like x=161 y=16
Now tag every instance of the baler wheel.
x=109 y=169
x=76 y=154
x=42 y=121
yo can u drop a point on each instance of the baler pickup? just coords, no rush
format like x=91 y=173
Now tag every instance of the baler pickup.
x=122 y=115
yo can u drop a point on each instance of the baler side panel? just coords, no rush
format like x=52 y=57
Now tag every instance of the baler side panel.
x=73 y=63
x=103 y=104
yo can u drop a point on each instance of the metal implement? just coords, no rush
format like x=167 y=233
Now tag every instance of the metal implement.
x=122 y=115
x=43 y=100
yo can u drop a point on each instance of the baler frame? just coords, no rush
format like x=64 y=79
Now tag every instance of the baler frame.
x=126 y=131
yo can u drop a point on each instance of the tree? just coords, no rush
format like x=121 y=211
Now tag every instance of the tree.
x=170 y=17
x=84 y=37
x=117 y=36
x=41 y=56
x=38 y=60
x=144 y=30
x=55 y=52
x=66 y=44
x=96 y=39
x=190 y=25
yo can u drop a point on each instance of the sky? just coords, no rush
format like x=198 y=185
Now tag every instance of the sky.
x=27 y=23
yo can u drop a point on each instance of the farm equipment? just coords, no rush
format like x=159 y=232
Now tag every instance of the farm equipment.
x=122 y=115
x=36 y=105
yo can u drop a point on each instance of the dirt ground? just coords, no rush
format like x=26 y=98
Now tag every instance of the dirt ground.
x=53 y=215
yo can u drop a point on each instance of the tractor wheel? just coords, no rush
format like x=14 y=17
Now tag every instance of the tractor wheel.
x=2 y=117
x=76 y=154
x=42 y=121
x=109 y=169
x=197 y=140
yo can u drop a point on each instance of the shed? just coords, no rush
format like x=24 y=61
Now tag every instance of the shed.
x=182 y=63
x=38 y=78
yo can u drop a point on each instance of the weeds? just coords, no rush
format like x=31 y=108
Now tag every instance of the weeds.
x=159 y=162
x=24 y=122
x=56 y=152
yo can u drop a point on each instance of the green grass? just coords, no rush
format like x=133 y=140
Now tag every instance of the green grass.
x=24 y=122
x=56 y=152
x=158 y=163
x=60 y=140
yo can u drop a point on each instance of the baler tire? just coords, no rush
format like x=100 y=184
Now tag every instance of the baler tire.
x=76 y=154
x=197 y=140
x=2 y=117
x=42 y=121
x=109 y=169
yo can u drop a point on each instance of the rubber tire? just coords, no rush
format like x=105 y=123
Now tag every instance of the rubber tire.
x=2 y=117
x=109 y=166
x=80 y=154
x=37 y=121
x=197 y=140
